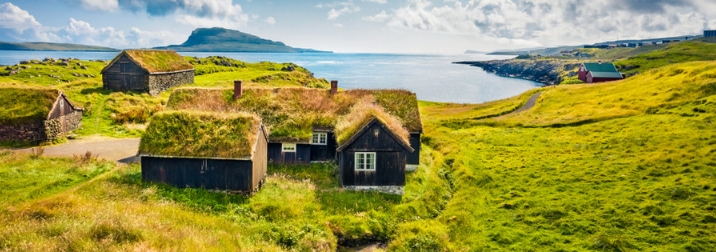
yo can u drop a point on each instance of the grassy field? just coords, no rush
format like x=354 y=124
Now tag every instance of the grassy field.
x=120 y=114
x=620 y=166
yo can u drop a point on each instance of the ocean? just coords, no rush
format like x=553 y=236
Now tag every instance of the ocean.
x=431 y=77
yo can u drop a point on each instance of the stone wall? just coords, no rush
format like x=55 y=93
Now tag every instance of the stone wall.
x=162 y=82
x=385 y=189
x=25 y=133
x=53 y=127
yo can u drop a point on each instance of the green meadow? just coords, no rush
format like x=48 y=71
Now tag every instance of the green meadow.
x=619 y=166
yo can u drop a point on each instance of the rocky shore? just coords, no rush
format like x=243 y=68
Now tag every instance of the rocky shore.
x=542 y=71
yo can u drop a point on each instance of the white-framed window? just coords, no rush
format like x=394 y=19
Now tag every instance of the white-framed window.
x=319 y=138
x=288 y=147
x=365 y=161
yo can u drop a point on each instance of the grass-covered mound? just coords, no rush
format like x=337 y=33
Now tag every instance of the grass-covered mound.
x=201 y=134
x=664 y=55
x=290 y=114
x=218 y=70
x=19 y=105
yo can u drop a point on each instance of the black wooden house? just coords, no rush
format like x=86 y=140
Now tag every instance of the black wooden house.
x=205 y=150
x=151 y=71
x=374 y=158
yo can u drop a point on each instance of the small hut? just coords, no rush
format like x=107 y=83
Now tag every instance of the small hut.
x=151 y=71
x=34 y=115
x=373 y=149
x=594 y=72
x=205 y=150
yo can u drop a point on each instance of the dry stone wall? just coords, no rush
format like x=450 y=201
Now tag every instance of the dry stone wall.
x=24 y=133
x=47 y=130
x=162 y=82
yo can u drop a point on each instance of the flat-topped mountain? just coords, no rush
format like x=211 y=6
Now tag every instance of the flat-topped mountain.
x=226 y=40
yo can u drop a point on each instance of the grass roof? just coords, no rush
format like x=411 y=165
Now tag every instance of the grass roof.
x=291 y=114
x=200 y=135
x=19 y=105
x=157 y=61
x=364 y=112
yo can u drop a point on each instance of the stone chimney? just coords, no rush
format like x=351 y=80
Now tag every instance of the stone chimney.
x=334 y=87
x=238 y=91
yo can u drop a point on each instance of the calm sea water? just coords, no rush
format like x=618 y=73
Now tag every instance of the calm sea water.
x=431 y=77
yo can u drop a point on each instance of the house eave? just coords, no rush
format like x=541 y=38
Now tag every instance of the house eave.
x=189 y=157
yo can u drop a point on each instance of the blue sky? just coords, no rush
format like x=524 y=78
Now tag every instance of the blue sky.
x=380 y=26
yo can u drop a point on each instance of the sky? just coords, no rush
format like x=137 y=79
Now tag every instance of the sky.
x=357 y=26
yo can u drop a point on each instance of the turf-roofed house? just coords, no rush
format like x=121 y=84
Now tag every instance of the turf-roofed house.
x=216 y=151
x=594 y=72
x=151 y=71
x=34 y=115
x=304 y=122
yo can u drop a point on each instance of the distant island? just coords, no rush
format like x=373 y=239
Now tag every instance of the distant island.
x=44 y=46
x=226 y=40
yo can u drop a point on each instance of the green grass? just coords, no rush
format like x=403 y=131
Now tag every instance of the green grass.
x=30 y=176
x=201 y=134
x=159 y=60
x=25 y=105
x=666 y=55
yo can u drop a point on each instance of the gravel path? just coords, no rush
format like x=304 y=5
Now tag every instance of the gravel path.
x=122 y=150
x=530 y=103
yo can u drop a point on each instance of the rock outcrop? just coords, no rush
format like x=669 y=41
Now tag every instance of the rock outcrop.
x=542 y=71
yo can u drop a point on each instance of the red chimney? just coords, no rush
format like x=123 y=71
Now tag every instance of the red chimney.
x=334 y=87
x=237 y=89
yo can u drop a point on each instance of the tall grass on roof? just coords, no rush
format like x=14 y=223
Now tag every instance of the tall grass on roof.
x=200 y=134
x=20 y=105
x=291 y=114
x=159 y=60
x=361 y=114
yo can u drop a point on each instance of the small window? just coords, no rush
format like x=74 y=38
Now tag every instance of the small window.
x=365 y=161
x=319 y=138
x=288 y=147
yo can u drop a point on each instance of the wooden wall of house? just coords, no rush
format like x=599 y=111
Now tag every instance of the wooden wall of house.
x=61 y=107
x=389 y=170
x=390 y=159
x=232 y=175
x=325 y=152
x=134 y=79
x=414 y=157
x=260 y=161
x=301 y=156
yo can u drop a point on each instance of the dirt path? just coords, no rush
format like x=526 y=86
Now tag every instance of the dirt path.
x=530 y=103
x=122 y=150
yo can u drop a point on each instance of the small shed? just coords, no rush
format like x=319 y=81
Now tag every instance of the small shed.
x=224 y=151
x=593 y=72
x=34 y=115
x=373 y=150
x=151 y=71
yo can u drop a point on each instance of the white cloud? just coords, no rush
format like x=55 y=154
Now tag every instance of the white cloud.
x=271 y=20
x=553 y=21
x=377 y=1
x=12 y=17
x=333 y=14
x=211 y=13
x=380 y=17
x=338 y=25
x=103 y=5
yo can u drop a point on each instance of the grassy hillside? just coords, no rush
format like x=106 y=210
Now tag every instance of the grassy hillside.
x=620 y=166
x=120 y=114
